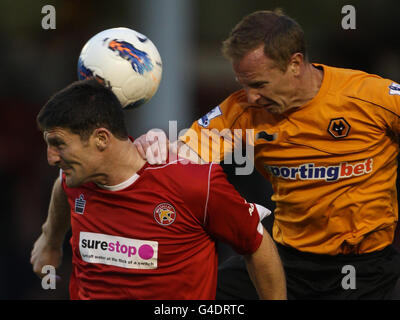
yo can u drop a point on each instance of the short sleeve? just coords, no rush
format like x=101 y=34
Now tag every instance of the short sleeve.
x=393 y=102
x=212 y=136
x=229 y=217
x=383 y=96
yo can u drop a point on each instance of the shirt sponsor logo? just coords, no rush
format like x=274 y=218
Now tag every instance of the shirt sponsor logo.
x=394 y=88
x=205 y=120
x=309 y=171
x=118 y=251
x=164 y=214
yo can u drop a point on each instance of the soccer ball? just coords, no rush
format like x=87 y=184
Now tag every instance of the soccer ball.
x=125 y=61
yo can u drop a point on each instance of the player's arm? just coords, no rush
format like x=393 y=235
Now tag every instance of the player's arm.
x=266 y=271
x=231 y=219
x=208 y=139
x=47 y=249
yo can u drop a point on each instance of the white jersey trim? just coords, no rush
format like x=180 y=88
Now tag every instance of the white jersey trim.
x=208 y=193
x=185 y=161
x=121 y=185
x=166 y=165
x=117 y=187
x=262 y=213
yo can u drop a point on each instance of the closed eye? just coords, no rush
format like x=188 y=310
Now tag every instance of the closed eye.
x=55 y=142
x=257 y=85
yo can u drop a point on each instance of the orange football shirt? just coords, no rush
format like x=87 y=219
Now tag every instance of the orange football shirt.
x=332 y=162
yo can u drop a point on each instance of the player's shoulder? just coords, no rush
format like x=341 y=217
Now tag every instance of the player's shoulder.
x=237 y=102
x=181 y=170
x=228 y=111
x=376 y=92
x=188 y=179
x=239 y=97
x=361 y=85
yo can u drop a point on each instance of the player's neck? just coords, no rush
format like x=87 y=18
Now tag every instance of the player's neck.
x=310 y=84
x=123 y=163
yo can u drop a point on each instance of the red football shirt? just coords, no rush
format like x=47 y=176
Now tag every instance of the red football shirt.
x=153 y=236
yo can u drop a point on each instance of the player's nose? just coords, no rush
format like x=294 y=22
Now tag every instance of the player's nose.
x=53 y=156
x=252 y=96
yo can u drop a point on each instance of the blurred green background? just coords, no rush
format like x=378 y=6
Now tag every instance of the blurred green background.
x=35 y=63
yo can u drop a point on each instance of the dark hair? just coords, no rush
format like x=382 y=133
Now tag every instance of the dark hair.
x=82 y=107
x=280 y=35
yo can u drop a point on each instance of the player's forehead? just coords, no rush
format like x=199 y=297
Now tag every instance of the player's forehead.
x=253 y=67
x=253 y=59
x=57 y=134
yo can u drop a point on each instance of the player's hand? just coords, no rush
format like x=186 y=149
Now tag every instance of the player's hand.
x=44 y=253
x=153 y=146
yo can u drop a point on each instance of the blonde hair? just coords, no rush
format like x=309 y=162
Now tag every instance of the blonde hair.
x=280 y=35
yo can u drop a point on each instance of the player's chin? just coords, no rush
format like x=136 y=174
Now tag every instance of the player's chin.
x=72 y=182
x=274 y=108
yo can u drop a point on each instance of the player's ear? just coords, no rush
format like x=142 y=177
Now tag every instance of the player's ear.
x=102 y=138
x=295 y=63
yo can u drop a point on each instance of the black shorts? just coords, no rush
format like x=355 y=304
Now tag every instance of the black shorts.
x=313 y=276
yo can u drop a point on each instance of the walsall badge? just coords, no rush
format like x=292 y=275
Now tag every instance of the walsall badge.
x=164 y=214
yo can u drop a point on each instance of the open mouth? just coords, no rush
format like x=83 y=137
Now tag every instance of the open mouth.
x=269 y=106
x=268 y=103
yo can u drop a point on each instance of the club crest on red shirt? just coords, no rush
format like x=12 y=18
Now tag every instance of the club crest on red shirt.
x=164 y=214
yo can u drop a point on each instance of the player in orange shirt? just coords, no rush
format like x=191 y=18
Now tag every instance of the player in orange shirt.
x=326 y=139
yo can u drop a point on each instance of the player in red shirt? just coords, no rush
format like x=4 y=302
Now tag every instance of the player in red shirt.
x=141 y=231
